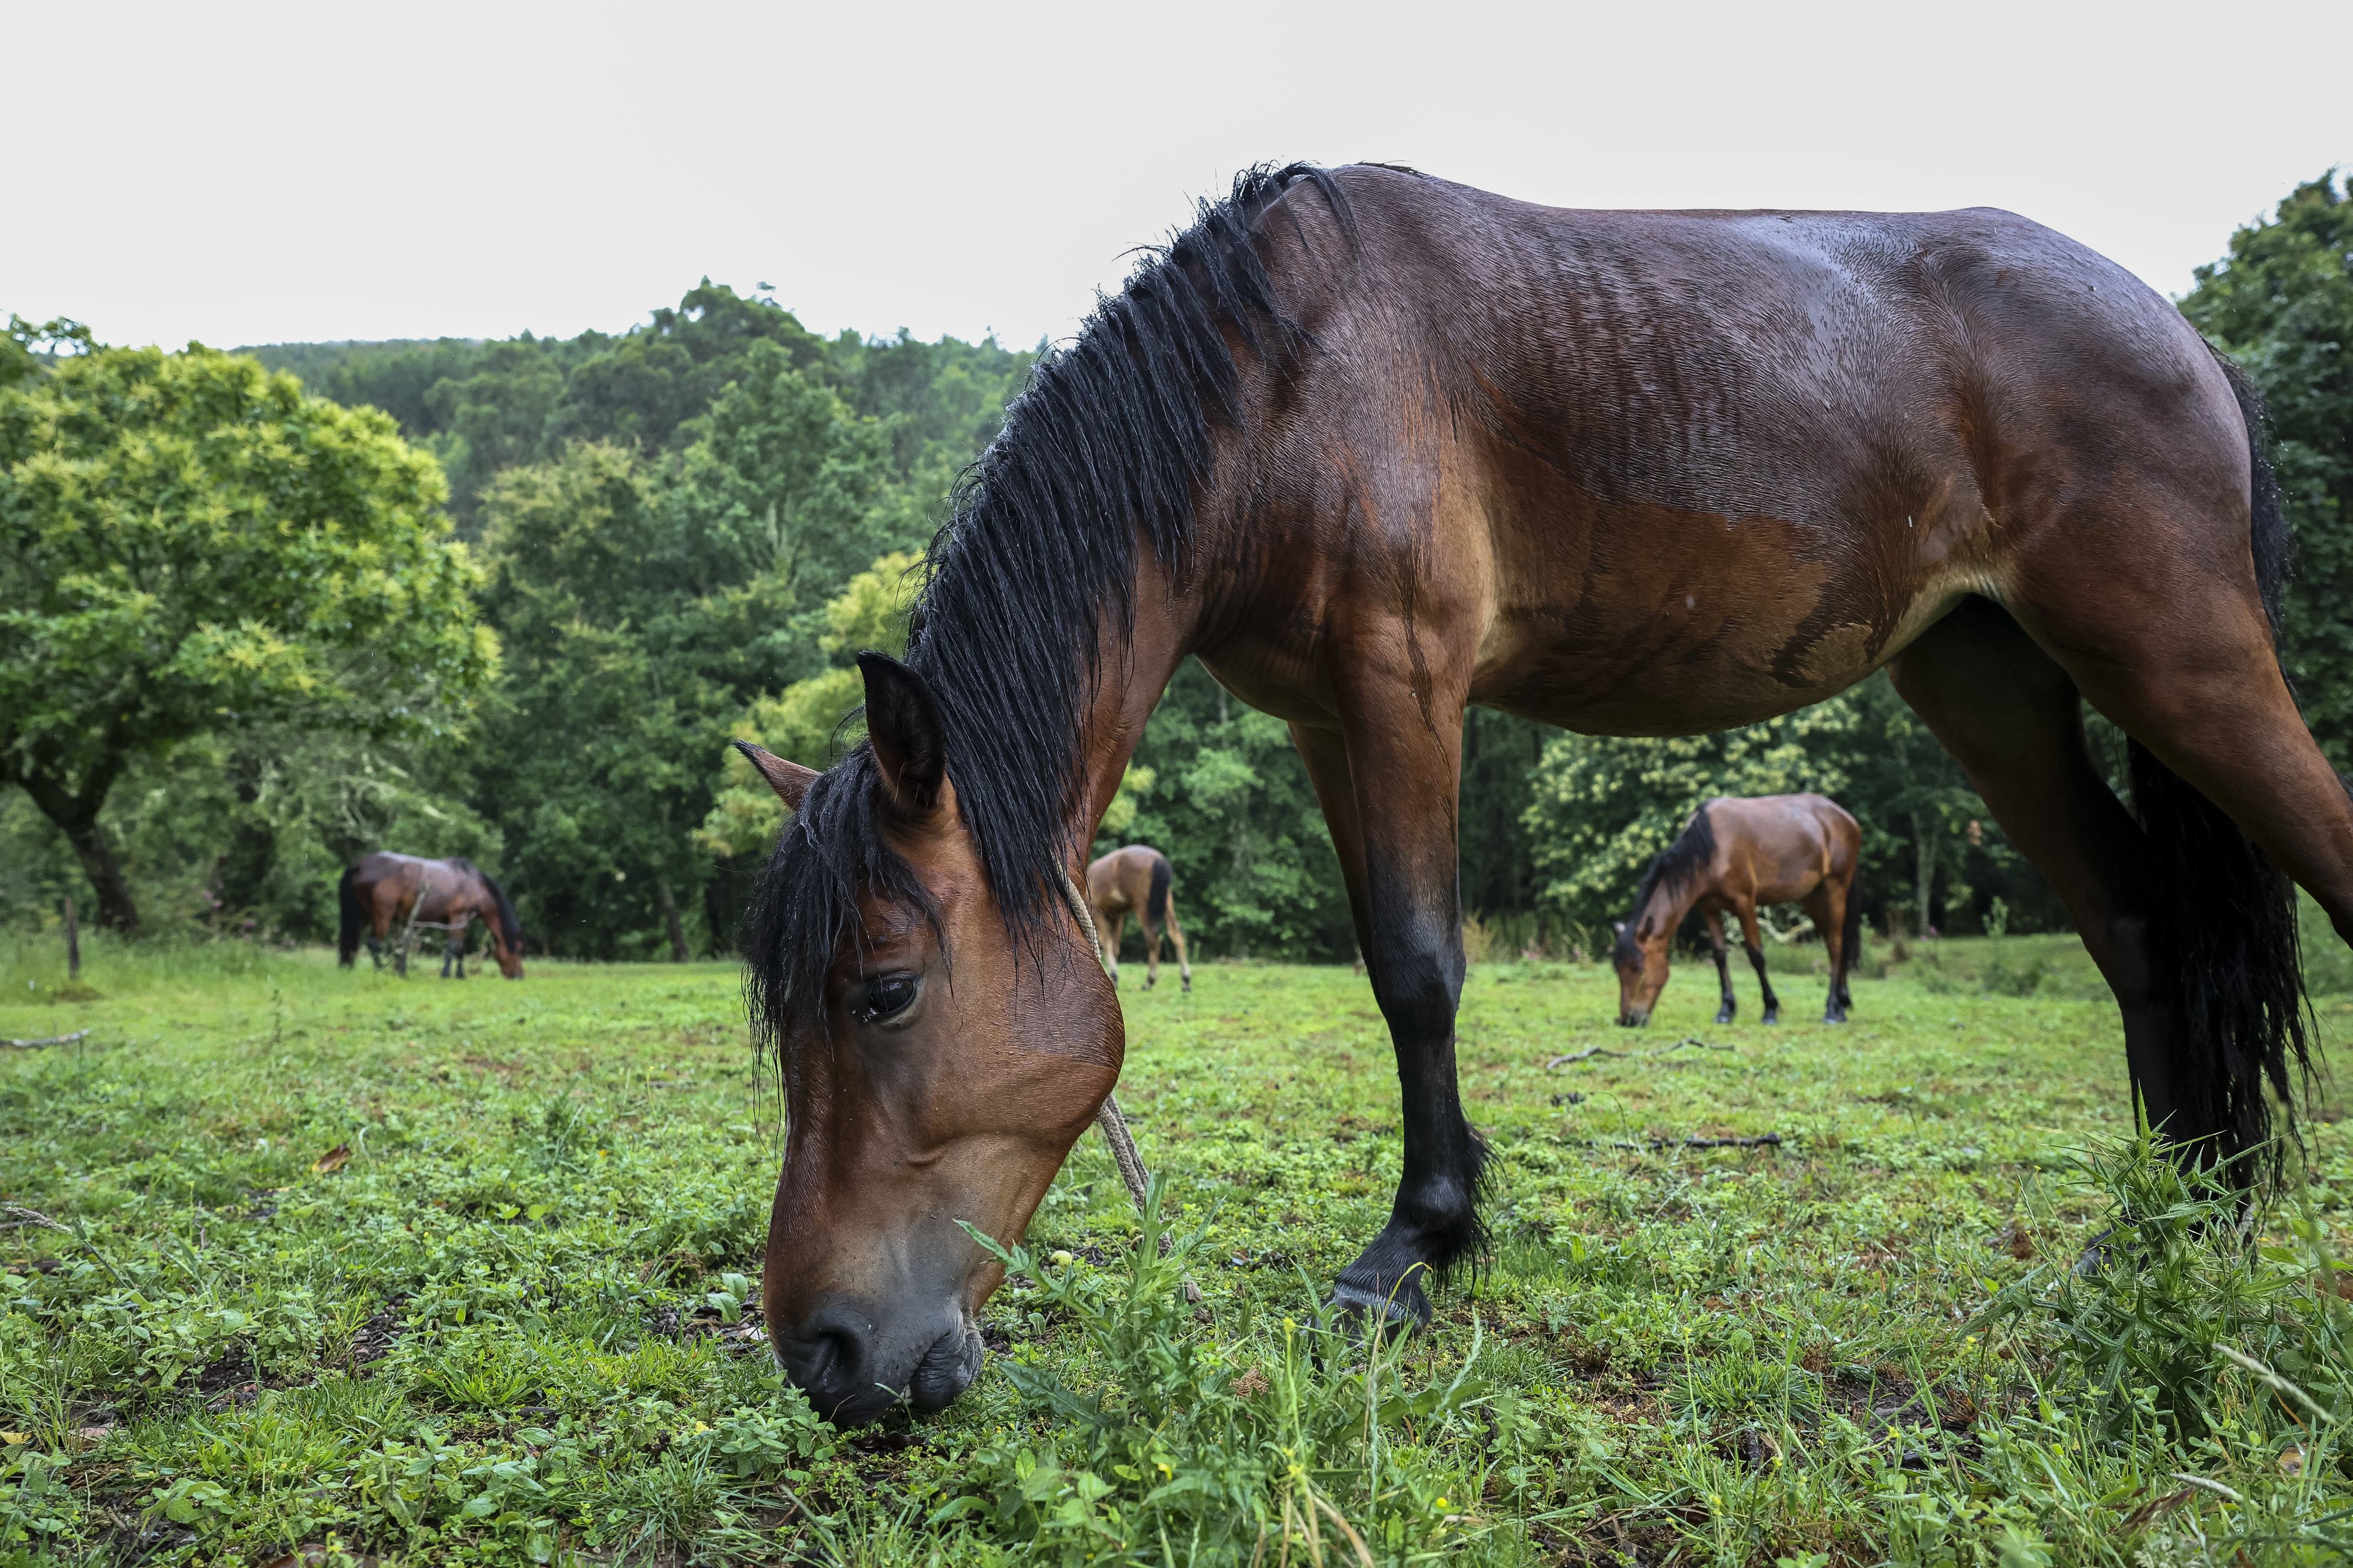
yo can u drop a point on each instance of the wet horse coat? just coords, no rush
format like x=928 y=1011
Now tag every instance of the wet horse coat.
x=1373 y=446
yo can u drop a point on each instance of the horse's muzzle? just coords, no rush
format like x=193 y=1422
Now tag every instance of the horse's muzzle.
x=854 y=1367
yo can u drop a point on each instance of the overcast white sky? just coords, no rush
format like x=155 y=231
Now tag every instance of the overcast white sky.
x=249 y=173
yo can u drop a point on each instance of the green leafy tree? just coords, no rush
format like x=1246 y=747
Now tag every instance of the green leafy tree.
x=804 y=723
x=618 y=694
x=195 y=547
x=1230 y=805
x=2280 y=304
x=1915 y=804
x=786 y=474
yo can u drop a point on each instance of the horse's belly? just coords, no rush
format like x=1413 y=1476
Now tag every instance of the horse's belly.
x=1649 y=621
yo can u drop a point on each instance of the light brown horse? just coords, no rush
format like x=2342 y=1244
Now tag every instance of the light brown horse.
x=1739 y=856
x=1134 y=880
x=1373 y=446
x=385 y=890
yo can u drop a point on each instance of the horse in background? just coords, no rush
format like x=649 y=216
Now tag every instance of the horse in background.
x=1738 y=854
x=1134 y=880
x=384 y=890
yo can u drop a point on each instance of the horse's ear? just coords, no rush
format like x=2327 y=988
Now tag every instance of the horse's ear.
x=903 y=723
x=1618 y=926
x=789 y=779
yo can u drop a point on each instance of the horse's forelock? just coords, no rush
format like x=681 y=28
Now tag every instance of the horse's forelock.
x=832 y=852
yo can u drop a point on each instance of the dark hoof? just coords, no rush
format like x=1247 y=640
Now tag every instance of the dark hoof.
x=1187 y=988
x=1772 y=1014
x=1150 y=984
x=1723 y=1015
x=1399 y=1312
x=1833 y=1016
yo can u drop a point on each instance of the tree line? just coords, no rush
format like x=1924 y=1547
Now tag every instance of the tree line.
x=263 y=612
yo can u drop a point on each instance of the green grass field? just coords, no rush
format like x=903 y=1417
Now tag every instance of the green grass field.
x=431 y=1272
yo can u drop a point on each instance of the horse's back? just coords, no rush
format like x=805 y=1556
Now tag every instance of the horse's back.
x=1780 y=840
x=1686 y=470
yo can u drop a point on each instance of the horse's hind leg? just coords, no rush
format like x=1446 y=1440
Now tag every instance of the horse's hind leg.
x=1110 y=946
x=1754 y=940
x=1177 y=938
x=1714 y=920
x=2232 y=793
x=1826 y=907
x=2013 y=719
x=1151 y=951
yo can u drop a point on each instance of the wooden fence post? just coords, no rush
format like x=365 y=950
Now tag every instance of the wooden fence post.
x=73 y=944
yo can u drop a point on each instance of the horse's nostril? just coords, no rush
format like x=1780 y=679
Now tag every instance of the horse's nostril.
x=834 y=1353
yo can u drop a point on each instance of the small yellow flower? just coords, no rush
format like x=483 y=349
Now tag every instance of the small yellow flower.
x=1443 y=1503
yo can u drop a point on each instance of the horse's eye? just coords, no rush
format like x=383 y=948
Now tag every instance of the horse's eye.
x=890 y=995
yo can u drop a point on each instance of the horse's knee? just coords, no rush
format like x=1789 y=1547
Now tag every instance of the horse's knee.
x=1417 y=986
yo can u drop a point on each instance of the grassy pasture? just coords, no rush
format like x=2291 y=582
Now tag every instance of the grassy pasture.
x=443 y=1273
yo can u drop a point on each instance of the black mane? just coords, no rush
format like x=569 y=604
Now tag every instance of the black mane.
x=1677 y=864
x=1113 y=434
x=509 y=927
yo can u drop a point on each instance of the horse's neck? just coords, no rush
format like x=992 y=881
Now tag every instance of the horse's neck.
x=1668 y=906
x=1134 y=667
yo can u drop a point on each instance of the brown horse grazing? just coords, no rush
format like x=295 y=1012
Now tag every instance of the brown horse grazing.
x=1134 y=880
x=1373 y=446
x=1739 y=855
x=385 y=890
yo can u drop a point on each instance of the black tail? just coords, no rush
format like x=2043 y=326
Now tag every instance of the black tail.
x=347 y=945
x=2225 y=936
x=1156 y=905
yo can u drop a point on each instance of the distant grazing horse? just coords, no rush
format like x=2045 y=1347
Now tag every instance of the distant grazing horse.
x=1372 y=447
x=1134 y=880
x=387 y=891
x=1740 y=855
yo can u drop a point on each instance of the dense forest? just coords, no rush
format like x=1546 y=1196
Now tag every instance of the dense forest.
x=582 y=565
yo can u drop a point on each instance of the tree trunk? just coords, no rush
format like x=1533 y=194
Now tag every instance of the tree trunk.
x=1926 y=848
x=669 y=902
x=76 y=816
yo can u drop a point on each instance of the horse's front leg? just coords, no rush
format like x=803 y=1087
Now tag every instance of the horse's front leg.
x=1388 y=790
x=1713 y=919
x=1754 y=939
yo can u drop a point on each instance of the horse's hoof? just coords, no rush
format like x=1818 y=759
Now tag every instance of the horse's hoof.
x=1723 y=1015
x=1187 y=988
x=1398 y=1313
x=1772 y=1017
